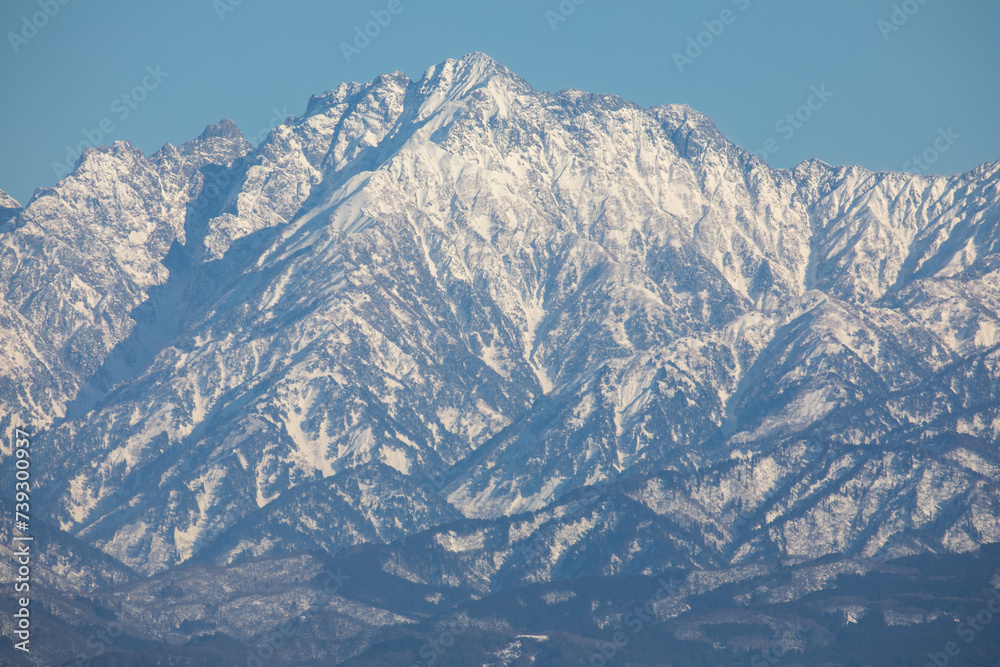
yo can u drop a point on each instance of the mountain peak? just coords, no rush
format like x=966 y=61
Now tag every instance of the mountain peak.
x=6 y=201
x=468 y=73
x=478 y=59
x=224 y=129
x=8 y=207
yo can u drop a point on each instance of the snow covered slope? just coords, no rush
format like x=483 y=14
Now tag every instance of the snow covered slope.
x=462 y=297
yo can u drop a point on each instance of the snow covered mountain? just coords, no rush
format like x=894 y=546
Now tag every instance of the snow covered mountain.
x=456 y=316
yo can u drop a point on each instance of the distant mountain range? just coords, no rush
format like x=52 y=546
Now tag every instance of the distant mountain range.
x=468 y=343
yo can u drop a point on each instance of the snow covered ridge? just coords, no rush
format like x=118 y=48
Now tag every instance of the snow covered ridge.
x=462 y=297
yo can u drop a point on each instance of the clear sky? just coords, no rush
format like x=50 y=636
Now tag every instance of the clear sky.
x=881 y=93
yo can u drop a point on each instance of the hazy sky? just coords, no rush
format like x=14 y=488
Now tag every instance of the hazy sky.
x=887 y=80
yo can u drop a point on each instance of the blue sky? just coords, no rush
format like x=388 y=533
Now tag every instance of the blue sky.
x=870 y=82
